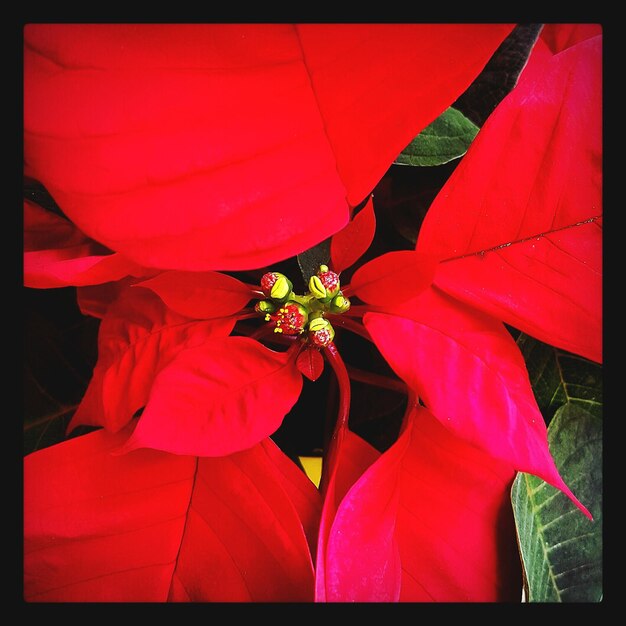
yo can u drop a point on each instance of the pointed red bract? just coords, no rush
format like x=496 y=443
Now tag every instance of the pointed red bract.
x=74 y=267
x=429 y=521
x=347 y=457
x=95 y=300
x=351 y=242
x=151 y=526
x=471 y=374
x=303 y=494
x=221 y=397
x=57 y=254
x=524 y=190
x=527 y=199
x=392 y=278
x=202 y=295
x=548 y=286
x=558 y=37
x=45 y=230
x=260 y=138
x=352 y=457
x=138 y=337
x=310 y=363
x=346 y=574
x=377 y=86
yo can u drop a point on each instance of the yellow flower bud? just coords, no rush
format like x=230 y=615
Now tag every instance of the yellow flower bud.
x=316 y=287
x=319 y=323
x=281 y=288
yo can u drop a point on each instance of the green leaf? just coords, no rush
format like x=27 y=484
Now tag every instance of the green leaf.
x=559 y=377
x=561 y=549
x=445 y=139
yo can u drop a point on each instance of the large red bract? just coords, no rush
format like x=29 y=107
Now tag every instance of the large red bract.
x=217 y=398
x=518 y=225
x=180 y=150
x=204 y=147
x=153 y=527
x=470 y=373
x=428 y=521
x=138 y=337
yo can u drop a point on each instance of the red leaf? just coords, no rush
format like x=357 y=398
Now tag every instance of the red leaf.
x=220 y=397
x=202 y=295
x=302 y=493
x=251 y=120
x=43 y=230
x=350 y=244
x=392 y=278
x=76 y=267
x=138 y=337
x=353 y=456
x=550 y=287
x=558 y=37
x=429 y=521
x=471 y=374
x=95 y=300
x=347 y=457
x=57 y=254
x=151 y=526
x=526 y=198
x=379 y=85
x=310 y=363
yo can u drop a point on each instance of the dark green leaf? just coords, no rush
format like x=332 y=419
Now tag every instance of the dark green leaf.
x=499 y=75
x=59 y=356
x=561 y=549
x=445 y=139
x=558 y=377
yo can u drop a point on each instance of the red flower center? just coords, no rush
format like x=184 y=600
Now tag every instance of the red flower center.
x=290 y=319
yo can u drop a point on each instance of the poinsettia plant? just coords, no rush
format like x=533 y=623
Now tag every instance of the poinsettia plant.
x=370 y=248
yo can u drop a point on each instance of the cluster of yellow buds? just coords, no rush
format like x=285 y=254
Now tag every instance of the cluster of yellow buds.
x=293 y=314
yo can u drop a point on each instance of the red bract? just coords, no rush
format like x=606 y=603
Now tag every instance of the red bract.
x=464 y=364
x=150 y=526
x=204 y=147
x=517 y=226
x=57 y=254
x=438 y=525
x=392 y=278
x=558 y=37
x=220 y=397
x=349 y=244
x=138 y=337
x=202 y=295
x=191 y=181
x=310 y=363
x=469 y=371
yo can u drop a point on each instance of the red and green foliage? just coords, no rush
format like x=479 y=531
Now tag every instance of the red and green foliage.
x=181 y=177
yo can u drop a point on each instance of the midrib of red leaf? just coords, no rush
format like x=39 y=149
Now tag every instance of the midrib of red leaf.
x=190 y=507
x=182 y=535
x=522 y=240
x=127 y=347
x=294 y=27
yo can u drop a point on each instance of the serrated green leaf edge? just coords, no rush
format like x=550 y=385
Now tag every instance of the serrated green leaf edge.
x=445 y=139
x=558 y=377
x=578 y=540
